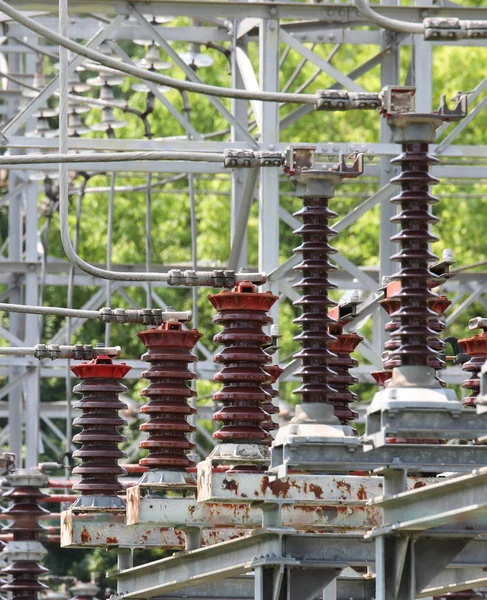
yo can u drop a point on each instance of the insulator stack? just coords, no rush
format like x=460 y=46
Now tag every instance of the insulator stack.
x=391 y=305
x=316 y=357
x=25 y=551
x=476 y=348
x=243 y=313
x=270 y=408
x=382 y=377
x=418 y=343
x=169 y=354
x=343 y=347
x=100 y=435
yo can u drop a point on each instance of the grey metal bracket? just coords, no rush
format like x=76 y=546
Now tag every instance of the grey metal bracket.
x=310 y=454
x=422 y=423
x=405 y=565
x=458 y=498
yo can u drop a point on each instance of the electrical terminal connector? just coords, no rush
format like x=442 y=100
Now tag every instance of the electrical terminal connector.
x=247 y=159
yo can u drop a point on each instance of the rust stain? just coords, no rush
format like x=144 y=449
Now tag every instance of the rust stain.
x=316 y=490
x=362 y=493
x=192 y=509
x=278 y=488
x=344 y=487
x=112 y=540
x=85 y=536
x=231 y=485
x=418 y=484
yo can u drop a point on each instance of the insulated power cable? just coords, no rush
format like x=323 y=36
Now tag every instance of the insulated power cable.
x=64 y=158
x=126 y=316
x=147 y=75
x=390 y=24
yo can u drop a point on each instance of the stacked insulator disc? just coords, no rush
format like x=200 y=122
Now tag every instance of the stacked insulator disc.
x=270 y=408
x=416 y=343
x=316 y=357
x=169 y=354
x=476 y=348
x=100 y=436
x=25 y=511
x=243 y=312
x=343 y=347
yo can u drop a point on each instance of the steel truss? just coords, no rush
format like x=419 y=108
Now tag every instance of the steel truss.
x=241 y=27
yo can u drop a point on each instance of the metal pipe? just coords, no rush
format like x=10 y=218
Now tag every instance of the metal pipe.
x=391 y=24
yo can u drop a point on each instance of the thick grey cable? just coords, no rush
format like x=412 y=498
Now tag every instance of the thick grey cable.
x=390 y=24
x=50 y=310
x=147 y=75
x=64 y=158
x=77 y=313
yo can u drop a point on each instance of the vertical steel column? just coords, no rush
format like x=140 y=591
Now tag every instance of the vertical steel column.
x=269 y=178
x=240 y=112
x=15 y=297
x=423 y=68
x=389 y=75
x=32 y=385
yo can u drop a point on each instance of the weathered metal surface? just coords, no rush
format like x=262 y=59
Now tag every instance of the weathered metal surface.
x=169 y=352
x=241 y=556
x=334 y=489
x=109 y=530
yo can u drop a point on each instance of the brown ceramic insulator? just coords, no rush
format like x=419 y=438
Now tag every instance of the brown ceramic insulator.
x=476 y=348
x=100 y=424
x=169 y=353
x=382 y=377
x=414 y=334
x=315 y=356
x=270 y=408
x=242 y=312
x=25 y=513
x=343 y=347
x=390 y=305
